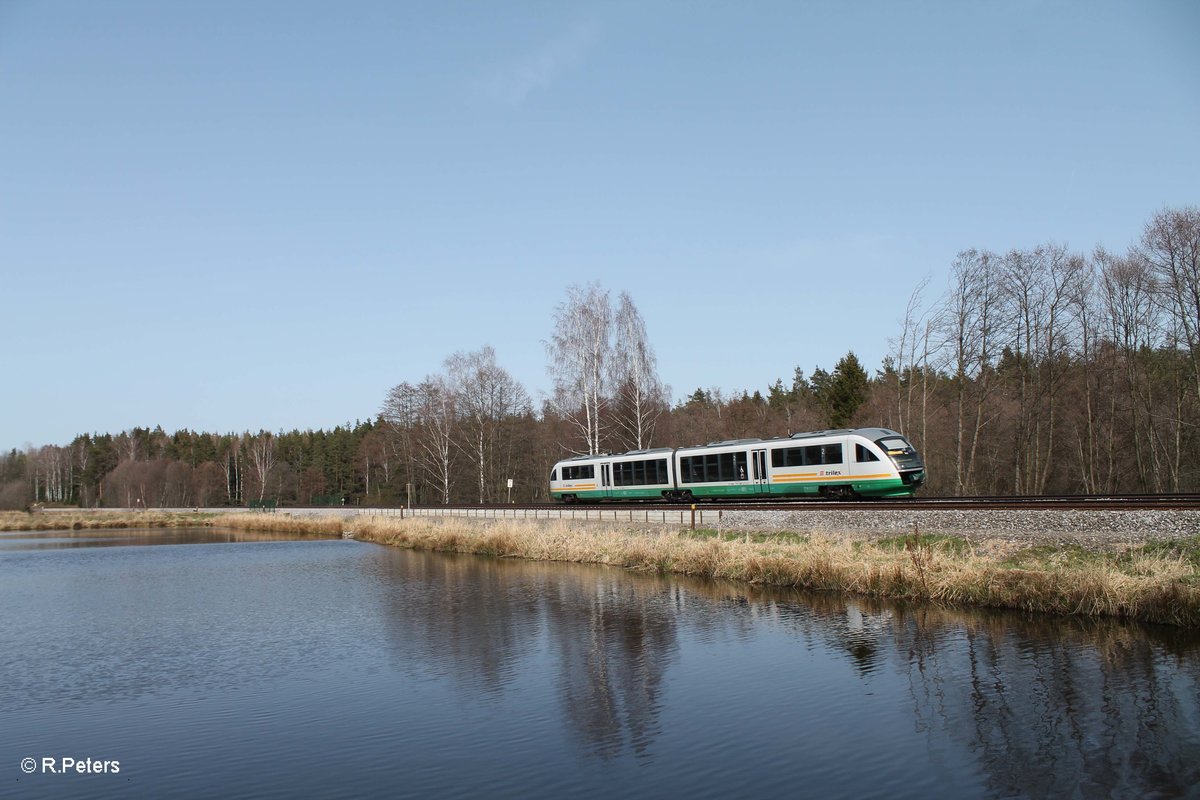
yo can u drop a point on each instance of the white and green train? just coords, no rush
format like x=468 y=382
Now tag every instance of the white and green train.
x=837 y=464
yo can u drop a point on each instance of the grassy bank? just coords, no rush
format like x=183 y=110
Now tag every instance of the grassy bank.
x=1153 y=582
x=92 y=520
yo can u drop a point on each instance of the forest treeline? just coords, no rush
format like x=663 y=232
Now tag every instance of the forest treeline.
x=1035 y=371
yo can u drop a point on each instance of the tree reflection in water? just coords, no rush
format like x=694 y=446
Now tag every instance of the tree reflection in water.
x=475 y=620
x=1050 y=707
x=1042 y=706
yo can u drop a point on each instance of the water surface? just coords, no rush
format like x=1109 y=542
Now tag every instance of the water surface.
x=239 y=666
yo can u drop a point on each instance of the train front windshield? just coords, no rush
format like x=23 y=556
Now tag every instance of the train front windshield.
x=901 y=452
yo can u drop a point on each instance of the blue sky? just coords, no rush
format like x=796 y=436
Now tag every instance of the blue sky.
x=240 y=215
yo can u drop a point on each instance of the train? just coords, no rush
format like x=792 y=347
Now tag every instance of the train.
x=842 y=464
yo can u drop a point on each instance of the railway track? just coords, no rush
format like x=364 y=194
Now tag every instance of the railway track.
x=1111 y=502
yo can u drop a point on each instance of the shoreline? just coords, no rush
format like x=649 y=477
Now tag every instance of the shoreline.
x=1147 y=578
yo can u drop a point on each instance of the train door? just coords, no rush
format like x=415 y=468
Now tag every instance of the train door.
x=606 y=480
x=758 y=471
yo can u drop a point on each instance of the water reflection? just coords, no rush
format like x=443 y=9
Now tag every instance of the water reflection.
x=614 y=640
x=1058 y=707
x=17 y=541
x=476 y=620
x=1045 y=706
x=1049 y=706
x=419 y=665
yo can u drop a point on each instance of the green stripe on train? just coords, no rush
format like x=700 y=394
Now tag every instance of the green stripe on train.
x=891 y=487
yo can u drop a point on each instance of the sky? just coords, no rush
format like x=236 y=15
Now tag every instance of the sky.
x=230 y=216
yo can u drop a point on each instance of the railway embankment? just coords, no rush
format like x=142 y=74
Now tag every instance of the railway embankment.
x=1097 y=530
x=1129 y=564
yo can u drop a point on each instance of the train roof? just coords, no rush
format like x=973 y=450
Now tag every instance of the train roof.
x=874 y=434
x=587 y=457
x=813 y=434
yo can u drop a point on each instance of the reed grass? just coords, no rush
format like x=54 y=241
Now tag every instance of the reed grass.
x=280 y=523
x=92 y=520
x=100 y=520
x=1152 y=582
x=1141 y=583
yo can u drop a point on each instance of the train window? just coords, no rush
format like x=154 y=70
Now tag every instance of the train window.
x=579 y=472
x=553 y=474
x=708 y=468
x=687 y=469
x=788 y=457
x=812 y=455
x=862 y=454
x=640 y=473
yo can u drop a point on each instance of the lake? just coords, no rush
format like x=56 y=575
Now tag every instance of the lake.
x=210 y=663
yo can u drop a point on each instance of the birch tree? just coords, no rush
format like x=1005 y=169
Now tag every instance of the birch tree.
x=262 y=459
x=578 y=351
x=435 y=431
x=640 y=397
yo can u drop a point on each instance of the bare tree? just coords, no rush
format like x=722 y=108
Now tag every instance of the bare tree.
x=177 y=484
x=435 y=431
x=486 y=395
x=1171 y=246
x=372 y=457
x=640 y=397
x=1037 y=286
x=262 y=459
x=971 y=320
x=913 y=361
x=1086 y=313
x=208 y=481
x=400 y=414
x=578 y=351
x=1128 y=293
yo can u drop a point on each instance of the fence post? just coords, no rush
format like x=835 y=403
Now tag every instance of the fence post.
x=693 y=516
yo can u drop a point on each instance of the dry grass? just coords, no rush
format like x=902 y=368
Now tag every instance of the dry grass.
x=92 y=520
x=1138 y=585
x=1153 y=583
x=100 y=520
x=279 y=523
